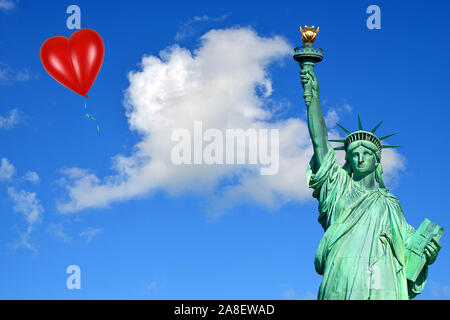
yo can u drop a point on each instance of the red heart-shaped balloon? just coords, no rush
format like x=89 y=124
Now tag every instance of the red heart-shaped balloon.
x=74 y=62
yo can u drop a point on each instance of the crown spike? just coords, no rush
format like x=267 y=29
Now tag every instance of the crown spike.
x=346 y=131
x=339 y=140
x=385 y=137
x=375 y=129
x=386 y=147
x=339 y=148
x=359 y=123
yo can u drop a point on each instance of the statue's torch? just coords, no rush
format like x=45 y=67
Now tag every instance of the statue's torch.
x=307 y=56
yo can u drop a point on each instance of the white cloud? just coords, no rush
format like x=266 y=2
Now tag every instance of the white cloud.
x=26 y=203
x=217 y=84
x=31 y=176
x=331 y=118
x=7 y=5
x=90 y=233
x=9 y=121
x=7 y=170
x=393 y=163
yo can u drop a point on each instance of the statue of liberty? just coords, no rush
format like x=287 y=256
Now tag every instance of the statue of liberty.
x=367 y=242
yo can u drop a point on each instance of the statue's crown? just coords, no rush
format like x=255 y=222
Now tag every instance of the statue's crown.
x=362 y=135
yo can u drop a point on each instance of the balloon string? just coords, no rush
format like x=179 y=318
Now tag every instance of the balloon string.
x=91 y=117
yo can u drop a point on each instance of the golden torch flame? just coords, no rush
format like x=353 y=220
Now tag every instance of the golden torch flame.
x=309 y=34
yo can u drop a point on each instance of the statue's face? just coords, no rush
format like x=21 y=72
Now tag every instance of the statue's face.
x=363 y=160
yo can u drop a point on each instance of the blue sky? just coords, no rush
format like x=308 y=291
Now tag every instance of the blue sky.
x=154 y=232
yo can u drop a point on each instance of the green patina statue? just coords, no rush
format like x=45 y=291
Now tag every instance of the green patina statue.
x=368 y=250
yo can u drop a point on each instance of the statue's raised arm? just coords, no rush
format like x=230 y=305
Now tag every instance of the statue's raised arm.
x=316 y=121
x=307 y=56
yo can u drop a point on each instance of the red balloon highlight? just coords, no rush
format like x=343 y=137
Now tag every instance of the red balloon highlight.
x=74 y=62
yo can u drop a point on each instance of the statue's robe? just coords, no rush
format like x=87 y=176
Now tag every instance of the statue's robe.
x=362 y=253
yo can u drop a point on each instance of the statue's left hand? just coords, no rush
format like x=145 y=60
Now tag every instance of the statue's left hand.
x=432 y=250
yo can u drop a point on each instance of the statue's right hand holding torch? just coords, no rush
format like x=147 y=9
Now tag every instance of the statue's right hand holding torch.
x=309 y=83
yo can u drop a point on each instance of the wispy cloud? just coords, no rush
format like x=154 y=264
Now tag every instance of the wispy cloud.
x=24 y=240
x=152 y=286
x=290 y=294
x=9 y=75
x=439 y=291
x=7 y=5
x=334 y=115
x=188 y=28
x=57 y=229
x=7 y=170
x=90 y=233
x=26 y=203
x=11 y=119
x=31 y=176
x=31 y=209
